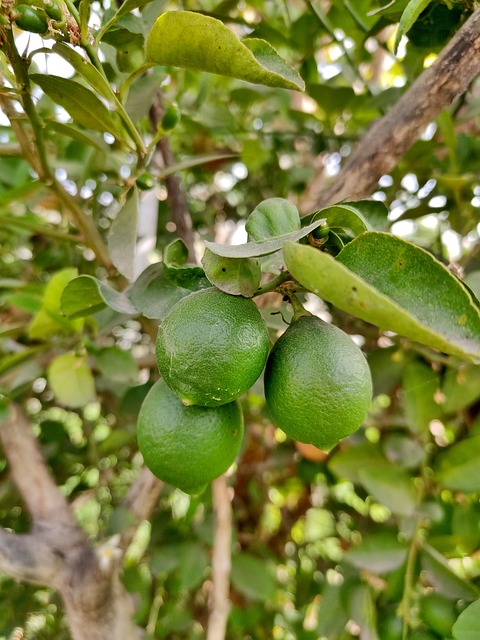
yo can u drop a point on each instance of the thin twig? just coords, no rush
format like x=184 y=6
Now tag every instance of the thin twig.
x=180 y=215
x=221 y=560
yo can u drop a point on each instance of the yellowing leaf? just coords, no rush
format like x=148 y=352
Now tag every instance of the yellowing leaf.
x=71 y=380
x=194 y=41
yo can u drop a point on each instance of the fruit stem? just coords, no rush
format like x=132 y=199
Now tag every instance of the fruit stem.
x=299 y=310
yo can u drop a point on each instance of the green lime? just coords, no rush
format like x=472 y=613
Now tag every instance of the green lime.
x=187 y=447
x=317 y=383
x=212 y=347
x=31 y=19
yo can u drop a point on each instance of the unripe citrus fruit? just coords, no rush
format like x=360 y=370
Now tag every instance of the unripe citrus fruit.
x=317 y=383
x=212 y=347
x=187 y=447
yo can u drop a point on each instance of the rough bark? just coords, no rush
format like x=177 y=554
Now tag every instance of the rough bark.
x=391 y=136
x=56 y=552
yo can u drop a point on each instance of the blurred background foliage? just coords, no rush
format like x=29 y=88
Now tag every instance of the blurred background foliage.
x=386 y=528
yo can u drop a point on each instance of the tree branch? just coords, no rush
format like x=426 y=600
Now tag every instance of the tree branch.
x=221 y=560
x=180 y=215
x=391 y=136
x=140 y=501
x=30 y=472
x=27 y=557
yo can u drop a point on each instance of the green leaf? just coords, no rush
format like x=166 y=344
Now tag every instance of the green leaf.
x=49 y=319
x=378 y=552
x=408 y=19
x=237 y=276
x=461 y=388
x=71 y=380
x=86 y=295
x=153 y=294
x=117 y=364
x=420 y=385
x=272 y=218
x=122 y=238
x=349 y=462
x=392 y=487
x=393 y=285
x=345 y=216
x=467 y=626
x=457 y=467
x=130 y=5
x=81 y=103
x=85 y=69
x=179 y=271
x=193 y=562
x=213 y=47
x=440 y=575
x=77 y=134
x=256 y=249
x=251 y=577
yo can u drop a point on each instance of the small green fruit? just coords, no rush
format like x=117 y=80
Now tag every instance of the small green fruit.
x=31 y=19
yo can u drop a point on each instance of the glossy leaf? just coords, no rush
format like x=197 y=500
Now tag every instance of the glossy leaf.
x=256 y=249
x=458 y=466
x=467 y=626
x=213 y=47
x=272 y=218
x=122 y=239
x=71 y=380
x=81 y=103
x=408 y=19
x=236 y=276
x=380 y=553
x=394 y=285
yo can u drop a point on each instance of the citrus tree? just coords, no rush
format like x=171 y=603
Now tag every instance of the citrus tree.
x=239 y=379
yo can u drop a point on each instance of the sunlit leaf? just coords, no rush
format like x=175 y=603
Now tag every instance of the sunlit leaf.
x=256 y=249
x=272 y=218
x=213 y=47
x=86 y=295
x=394 y=285
x=71 y=380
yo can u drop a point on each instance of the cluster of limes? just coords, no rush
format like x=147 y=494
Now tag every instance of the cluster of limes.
x=39 y=16
x=211 y=348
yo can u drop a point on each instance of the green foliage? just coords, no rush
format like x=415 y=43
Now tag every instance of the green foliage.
x=143 y=111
